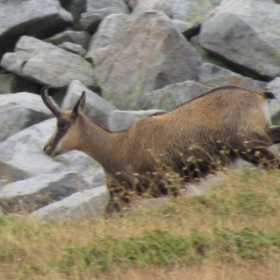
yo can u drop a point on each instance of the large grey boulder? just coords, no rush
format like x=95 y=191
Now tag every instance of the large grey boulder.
x=121 y=120
x=33 y=193
x=246 y=33
x=107 y=31
x=171 y=96
x=20 y=110
x=86 y=204
x=46 y=64
x=97 y=108
x=148 y=53
x=22 y=156
x=215 y=76
x=34 y=18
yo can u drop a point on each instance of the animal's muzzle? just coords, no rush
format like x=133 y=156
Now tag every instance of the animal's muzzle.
x=48 y=150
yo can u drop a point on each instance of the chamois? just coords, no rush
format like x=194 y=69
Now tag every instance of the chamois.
x=191 y=141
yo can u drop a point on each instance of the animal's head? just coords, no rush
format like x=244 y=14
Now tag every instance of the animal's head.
x=65 y=137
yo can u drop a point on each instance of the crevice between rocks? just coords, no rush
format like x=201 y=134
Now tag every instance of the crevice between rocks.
x=240 y=69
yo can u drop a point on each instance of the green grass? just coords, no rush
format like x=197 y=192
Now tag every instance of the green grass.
x=233 y=228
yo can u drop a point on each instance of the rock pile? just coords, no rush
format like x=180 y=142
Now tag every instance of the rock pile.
x=133 y=58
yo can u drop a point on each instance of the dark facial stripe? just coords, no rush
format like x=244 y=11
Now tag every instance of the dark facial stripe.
x=59 y=135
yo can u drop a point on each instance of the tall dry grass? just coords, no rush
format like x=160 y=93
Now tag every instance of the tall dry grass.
x=231 y=232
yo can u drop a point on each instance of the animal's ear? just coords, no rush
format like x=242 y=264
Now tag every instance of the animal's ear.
x=80 y=105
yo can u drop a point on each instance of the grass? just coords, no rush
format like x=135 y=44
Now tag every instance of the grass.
x=232 y=232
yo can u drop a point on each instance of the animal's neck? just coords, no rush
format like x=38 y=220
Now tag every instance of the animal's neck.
x=97 y=142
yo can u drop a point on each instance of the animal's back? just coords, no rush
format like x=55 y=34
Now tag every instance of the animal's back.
x=224 y=110
x=227 y=115
x=228 y=108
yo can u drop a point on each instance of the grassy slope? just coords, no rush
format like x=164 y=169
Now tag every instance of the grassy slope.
x=231 y=232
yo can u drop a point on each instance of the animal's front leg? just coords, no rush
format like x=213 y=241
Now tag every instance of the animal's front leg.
x=118 y=199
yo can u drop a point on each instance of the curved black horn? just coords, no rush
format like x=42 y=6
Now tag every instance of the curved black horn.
x=46 y=99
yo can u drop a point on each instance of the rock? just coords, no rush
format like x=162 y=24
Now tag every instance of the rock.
x=46 y=64
x=132 y=4
x=93 y=5
x=250 y=44
x=34 y=18
x=274 y=105
x=21 y=155
x=171 y=96
x=6 y=83
x=99 y=179
x=214 y=76
x=188 y=29
x=97 y=108
x=76 y=37
x=19 y=84
x=73 y=48
x=97 y=10
x=143 y=6
x=205 y=184
x=193 y=10
x=86 y=204
x=75 y=7
x=33 y=193
x=91 y=203
x=122 y=120
x=11 y=83
x=107 y=31
x=20 y=110
x=3 y=182
x=149 y=53
x=206 y=56
x=92 y=19
x=186 y=10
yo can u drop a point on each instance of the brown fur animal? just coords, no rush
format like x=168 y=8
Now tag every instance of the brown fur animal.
x=191 y=141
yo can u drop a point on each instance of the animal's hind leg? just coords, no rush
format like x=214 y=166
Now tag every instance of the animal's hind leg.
x=273 y=134
x=262 y=157
x=259 y=154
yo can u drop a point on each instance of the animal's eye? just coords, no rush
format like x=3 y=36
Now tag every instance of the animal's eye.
x=61 y=125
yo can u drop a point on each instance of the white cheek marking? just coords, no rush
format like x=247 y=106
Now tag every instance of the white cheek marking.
x=58 y=146
x=61 y=146
x=266 y=113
